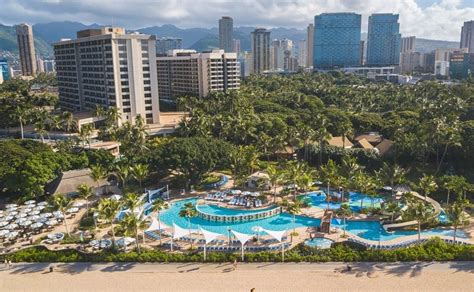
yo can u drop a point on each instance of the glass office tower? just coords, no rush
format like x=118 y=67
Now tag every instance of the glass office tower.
x=383 y=40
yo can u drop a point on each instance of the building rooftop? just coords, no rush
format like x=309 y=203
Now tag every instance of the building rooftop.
x=337 y=141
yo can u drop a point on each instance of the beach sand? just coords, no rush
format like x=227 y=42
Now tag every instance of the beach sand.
x=452 y=276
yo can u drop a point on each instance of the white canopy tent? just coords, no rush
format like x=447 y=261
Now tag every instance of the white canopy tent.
x=243 y=238
x=178 y=232
x=278 y=235
x=208 y=237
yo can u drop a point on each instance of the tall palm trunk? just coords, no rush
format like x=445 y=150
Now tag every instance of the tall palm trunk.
x=136 y=240
x=21 y=129
x=113 y=233
x=447 y=199
x=159 y=226
x=419 y=231
x=328 y=196
x=190 y=238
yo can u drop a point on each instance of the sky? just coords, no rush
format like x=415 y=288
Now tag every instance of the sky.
x=434 y=19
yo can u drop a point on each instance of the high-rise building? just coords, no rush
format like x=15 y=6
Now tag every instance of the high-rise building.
x=467 y=36
x=236 y=47
x=461 y=65
x=186 y=72
x=26 y=48
x=4 y=69
x=410 y=61
x=163 y=45
x=407 y=44
x=246 y=70
x=309 y=45
x=302 y=53
x=336 y=40
x=226 y=27
x=277 y=53
x=39 y=65
x=383 y=40
x=362 y=50
x=260 y=44
x=107 y=67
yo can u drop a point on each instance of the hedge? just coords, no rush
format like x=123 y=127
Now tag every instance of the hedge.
x=432 y=250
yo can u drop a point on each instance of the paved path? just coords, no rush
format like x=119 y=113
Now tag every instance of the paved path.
x=452 y=276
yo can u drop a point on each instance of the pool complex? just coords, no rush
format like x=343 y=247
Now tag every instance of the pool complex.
x=371 y=230
x=318 y=199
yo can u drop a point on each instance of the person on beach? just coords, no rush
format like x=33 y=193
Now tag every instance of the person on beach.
x=6 y=263
x=234 y=265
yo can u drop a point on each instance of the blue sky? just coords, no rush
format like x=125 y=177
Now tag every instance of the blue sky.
x=435 y=19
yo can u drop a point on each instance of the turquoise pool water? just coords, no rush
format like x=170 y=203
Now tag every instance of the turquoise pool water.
x=318 y=199
x=366 y=229
x=319 y=242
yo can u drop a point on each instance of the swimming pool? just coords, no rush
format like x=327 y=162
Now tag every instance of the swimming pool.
x=366 y=229
x=318 y=199
x=322 y=243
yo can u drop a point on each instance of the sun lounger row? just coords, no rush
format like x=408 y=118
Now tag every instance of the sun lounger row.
x=219 y=196
x=152 y=235
x=247 y=248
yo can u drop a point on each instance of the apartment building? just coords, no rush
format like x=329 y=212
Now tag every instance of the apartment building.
x=186 y=72
x=109 y=68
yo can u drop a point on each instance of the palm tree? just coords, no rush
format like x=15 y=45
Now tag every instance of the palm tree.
x=457 y=215
x=85 y=134
x=108 y=210
x=344 y=211
x=391 y=174
x=86 y=193
x=132 y=223
x=122 y=170
x=97 y=174
x=449 y=183
x=68 y=121
x=21 y=114
x=131 y=201
x=328 y=174
x=140 y=173
x=392 y=208
x=427 y=185
x=293 y=208
x=188 y=211
x=421 y=213
x=275 y=176
x=61 y=203
x=157 y=206
x=40 y=129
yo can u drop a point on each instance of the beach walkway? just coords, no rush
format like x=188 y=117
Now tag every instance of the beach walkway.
x=450 y=276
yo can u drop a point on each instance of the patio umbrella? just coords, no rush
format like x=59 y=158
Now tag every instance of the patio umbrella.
x=115 y=197
x=30 y=202
x=11 y=206
x=4 y=223
x=39 y=208
x=22 y=215
x=11 y=235
x=43 y=204
x=56 y=236
x=9 y=218
x=4 y=232
x=12 y=226
x=33 y=218
x=41 y=219
x=58 y=214
x=36 y=225
x=72 y=210
x=27 y=210
x=257 y=229
x=13 y=213
x=35 y=213
x=51 y=222
x=26 y=223
x=46 y=215
x=20 y=220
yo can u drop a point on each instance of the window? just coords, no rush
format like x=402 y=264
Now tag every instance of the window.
x=124 y=83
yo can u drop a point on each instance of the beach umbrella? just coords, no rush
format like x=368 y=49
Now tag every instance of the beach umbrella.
x=20 y=220
x=46 y=215
x=115 y=197
x=35 y=213
x=41 y=219
x=8 y=206
x=78 y=204
x=39 y=208
x=4 y=223
x=58 y=214
x=36 y=225
x=22 y=215
x=11 y=235
x=72 y=210
x=12 y=226
x=33 y=218
x=13 y=213
x=4 y=232
x=56 y=236
x=51 y=222
x=43 y=204
x=26 y=223
x=9 y=218
x=30 y=202
x=26 y=210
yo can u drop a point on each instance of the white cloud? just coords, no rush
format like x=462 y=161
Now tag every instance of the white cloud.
x=440 y=20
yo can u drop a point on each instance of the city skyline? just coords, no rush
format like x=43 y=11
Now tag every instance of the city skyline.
x=426 y=19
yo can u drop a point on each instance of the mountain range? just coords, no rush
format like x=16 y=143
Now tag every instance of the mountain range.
x=193 y=38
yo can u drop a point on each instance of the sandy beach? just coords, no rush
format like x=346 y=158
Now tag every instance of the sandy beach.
x=452 y=276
